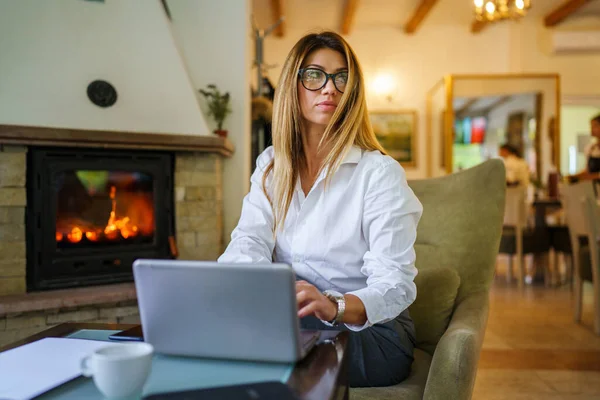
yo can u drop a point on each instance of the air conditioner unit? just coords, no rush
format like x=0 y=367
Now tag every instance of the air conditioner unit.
x=586 y=41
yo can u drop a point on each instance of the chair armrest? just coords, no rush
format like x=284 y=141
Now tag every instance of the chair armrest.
x=454 y=363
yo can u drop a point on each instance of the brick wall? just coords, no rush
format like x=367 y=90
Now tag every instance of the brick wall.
x=15 y=327
x=13 y=161
x=198 y=206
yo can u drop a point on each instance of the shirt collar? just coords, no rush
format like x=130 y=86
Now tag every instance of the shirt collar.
x=353 y=155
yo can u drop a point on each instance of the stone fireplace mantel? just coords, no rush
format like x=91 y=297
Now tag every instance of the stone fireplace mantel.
x=42 y=136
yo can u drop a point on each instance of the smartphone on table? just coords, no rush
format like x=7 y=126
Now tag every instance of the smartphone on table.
x=132 y=334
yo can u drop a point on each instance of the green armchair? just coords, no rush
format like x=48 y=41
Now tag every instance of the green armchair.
x=457 y=243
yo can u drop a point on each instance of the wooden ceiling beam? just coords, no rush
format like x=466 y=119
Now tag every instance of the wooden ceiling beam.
x=419 y=15
x=563 y=11
x=348 y=14
x=478 y=26
x=277 y=12
x=465 y=108
x=498 y=103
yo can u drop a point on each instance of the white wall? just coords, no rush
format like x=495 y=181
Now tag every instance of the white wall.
x=444 y=45
x=214 y=39
x=51 y=50
x=531 y=51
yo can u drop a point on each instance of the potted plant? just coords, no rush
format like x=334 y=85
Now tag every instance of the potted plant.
x=218 y=106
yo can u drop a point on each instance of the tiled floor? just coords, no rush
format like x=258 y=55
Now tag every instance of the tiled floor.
x=534 y=350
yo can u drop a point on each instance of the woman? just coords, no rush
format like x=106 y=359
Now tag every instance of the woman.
x=327 y=200
x=517 y=170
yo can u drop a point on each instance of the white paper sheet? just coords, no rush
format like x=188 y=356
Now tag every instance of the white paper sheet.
x=30 y=370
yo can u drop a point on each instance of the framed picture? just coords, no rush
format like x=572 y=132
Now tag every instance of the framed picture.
x=443 y=139
x=397 y=133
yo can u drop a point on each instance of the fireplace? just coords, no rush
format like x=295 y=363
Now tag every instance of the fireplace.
x=91 y=212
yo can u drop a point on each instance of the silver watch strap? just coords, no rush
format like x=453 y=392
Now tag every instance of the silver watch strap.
x=339 y=299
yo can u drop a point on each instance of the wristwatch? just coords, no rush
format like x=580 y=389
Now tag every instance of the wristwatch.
x=340 y=301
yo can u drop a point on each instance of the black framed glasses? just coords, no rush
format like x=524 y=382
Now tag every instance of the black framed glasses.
x=316 y=79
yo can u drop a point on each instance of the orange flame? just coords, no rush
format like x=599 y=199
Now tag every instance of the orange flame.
x=91 y=236
x=138 y=208
x=75 y=235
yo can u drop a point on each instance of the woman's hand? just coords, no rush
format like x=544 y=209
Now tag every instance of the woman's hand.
x=312 y=302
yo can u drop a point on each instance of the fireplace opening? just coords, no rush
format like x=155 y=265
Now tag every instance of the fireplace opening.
x=103 y=207
x=91 y=213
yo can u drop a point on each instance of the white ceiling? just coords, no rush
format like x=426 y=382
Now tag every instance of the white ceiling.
x=370 y=14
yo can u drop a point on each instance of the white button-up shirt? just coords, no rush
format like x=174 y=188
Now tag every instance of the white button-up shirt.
x=354 y=236
x=517 y=170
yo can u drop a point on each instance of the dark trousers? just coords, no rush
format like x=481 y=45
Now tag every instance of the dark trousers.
x=380 y=355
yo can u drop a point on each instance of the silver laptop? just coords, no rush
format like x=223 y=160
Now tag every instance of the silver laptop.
x=233 y=311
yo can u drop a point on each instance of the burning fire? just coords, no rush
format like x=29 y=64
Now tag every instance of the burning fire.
x=139 y=208
x=121 y=225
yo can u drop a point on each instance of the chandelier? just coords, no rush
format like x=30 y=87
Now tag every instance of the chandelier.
x=495 y=10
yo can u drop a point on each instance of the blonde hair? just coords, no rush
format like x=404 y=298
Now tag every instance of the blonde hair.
x=349 y=125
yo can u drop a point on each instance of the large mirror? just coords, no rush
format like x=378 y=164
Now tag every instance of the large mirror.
x=487 y=111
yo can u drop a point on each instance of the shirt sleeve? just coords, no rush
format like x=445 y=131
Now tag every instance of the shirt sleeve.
x=252 y=240
x=390 y=217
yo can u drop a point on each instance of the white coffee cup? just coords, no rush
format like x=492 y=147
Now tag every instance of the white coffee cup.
x=119 y=370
